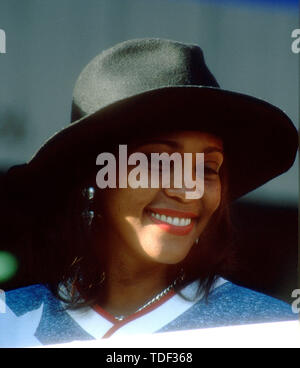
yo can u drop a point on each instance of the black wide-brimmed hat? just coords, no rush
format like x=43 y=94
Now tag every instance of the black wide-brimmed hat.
x=152 y=86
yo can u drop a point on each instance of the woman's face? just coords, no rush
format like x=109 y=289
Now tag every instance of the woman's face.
x=161 y=225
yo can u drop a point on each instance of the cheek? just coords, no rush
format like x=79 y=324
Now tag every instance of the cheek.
x=118 y=205
x=133 y=201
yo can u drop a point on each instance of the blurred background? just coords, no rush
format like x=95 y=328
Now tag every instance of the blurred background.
x=247 y=45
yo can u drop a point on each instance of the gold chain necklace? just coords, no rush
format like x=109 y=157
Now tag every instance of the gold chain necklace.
x=157 y=297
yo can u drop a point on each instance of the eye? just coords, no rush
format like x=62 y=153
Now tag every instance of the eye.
x=211 y=170
x=162 y=165
x=151 y=165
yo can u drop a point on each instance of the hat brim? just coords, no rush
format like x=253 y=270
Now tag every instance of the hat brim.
x=260 y=141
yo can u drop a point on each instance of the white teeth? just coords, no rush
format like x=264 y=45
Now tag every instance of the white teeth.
x=176 y=221
x=169 y=220
x=182 y=222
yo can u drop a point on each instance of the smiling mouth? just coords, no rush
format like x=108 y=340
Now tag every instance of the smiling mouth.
x=174 y=222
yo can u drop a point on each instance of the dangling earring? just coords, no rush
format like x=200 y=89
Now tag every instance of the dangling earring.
x=89 y=193
x=197 y=241
x=88 y=214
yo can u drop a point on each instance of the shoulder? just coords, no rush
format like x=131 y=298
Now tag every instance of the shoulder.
x=34 y=316
x=240 y=298
x=26 y=299
x=22 y=314
x=231 y=304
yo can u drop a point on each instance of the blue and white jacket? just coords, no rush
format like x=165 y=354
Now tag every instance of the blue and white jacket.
x=33 y=316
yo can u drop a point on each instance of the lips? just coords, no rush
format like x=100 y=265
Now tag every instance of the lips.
x=172 y=221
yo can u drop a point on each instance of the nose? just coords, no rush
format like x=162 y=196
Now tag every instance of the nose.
x=178 y=194
x=185 y=183
x=190 y=188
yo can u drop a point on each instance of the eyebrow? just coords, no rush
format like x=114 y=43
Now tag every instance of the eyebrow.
x=159 y=141
x=176 y=145
x=213 y=149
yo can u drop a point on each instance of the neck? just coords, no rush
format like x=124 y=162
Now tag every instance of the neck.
x=128 y=289
x=131 y=281
x=130 y=284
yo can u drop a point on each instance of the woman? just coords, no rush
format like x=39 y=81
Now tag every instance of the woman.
x=126 y=258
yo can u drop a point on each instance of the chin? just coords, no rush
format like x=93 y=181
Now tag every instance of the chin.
x=171 y=254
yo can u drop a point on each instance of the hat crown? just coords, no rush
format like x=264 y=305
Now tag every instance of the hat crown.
x=136 y=66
